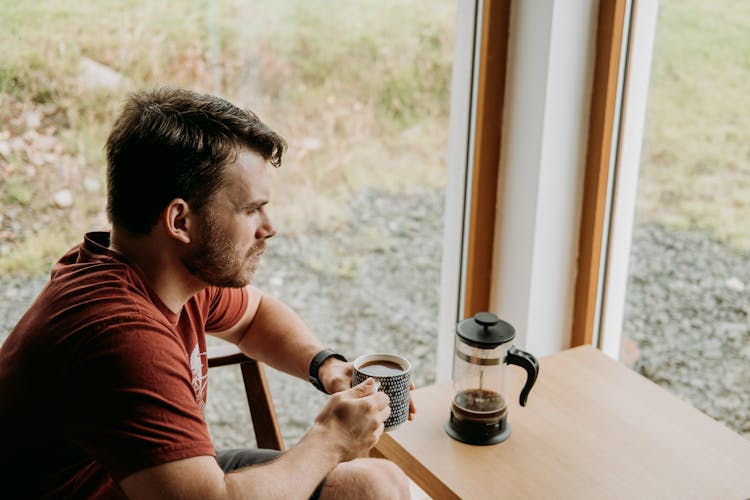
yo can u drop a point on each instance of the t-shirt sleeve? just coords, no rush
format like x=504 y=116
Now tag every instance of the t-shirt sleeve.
x=130 y=401
x=226 y=306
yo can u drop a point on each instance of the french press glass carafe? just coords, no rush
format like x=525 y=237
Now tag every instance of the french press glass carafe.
x=482 y=350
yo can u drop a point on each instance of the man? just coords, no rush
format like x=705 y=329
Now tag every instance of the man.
x=102 y=381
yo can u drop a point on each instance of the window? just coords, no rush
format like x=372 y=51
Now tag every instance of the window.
x=684 y=316
x=360 y=90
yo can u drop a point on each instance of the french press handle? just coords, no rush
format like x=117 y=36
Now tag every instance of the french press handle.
x=529 y=363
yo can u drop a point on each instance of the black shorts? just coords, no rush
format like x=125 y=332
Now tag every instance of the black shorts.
x=231 y=460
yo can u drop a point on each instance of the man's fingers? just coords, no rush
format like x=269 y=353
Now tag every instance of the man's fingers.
x=382 y=399
x=378 y=432
x=366 y=388
x=384 y=413
x=412 y=408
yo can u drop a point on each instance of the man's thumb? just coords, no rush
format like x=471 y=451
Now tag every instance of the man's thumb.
x=369 y=386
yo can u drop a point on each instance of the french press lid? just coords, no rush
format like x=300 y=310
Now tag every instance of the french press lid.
x=485 y=331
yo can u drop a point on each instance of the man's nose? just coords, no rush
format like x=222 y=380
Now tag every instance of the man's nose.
x=266 y=229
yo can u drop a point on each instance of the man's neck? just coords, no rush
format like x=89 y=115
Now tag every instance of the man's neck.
x=159 y=264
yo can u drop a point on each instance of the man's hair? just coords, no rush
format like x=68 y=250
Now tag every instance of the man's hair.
x=174 y=143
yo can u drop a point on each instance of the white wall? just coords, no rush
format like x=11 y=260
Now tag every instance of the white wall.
x=545 y=130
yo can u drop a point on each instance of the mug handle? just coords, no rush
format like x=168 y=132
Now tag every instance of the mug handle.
x=529 y=363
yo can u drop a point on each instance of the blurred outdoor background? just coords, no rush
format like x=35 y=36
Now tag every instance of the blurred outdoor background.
x=688 y=300
x=361 y=89
x=695 y=168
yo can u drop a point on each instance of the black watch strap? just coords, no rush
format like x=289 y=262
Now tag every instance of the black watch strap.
x=318 y=360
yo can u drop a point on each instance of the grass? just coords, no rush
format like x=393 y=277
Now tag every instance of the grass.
x=33 y=251
x=695 y=168
x=360 y=89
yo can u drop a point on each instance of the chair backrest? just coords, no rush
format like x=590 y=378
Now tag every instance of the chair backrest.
x=262 y=412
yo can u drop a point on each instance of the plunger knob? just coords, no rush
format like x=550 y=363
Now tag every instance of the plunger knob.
x=486 y=319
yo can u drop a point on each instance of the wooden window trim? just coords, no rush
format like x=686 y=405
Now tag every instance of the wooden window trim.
x=611 y=19
x=493 y=59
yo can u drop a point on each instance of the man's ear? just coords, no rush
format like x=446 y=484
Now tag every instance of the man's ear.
x=178 y=219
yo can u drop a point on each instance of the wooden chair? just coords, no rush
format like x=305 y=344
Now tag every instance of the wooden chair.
x=262 y=412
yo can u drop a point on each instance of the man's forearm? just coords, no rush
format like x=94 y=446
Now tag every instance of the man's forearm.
x=295 y=474
x=278 y=336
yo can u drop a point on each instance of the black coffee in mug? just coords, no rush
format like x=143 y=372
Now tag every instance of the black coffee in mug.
x=381 y=368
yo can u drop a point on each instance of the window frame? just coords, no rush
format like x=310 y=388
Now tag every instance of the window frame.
x=554 y=296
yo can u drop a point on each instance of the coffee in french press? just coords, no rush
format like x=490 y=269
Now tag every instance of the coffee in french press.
x=483 y=348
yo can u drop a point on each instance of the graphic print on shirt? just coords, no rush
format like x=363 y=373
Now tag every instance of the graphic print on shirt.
x=199 y=380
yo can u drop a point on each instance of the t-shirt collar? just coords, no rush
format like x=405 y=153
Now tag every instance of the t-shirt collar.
x=96 y=245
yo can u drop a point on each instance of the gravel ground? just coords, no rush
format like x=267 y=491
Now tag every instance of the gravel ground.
x=373 y=284
x=687 y=309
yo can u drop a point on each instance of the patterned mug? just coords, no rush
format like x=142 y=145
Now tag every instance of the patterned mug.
x=393 y=372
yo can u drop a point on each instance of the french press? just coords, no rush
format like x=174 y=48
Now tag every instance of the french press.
x=479 y=412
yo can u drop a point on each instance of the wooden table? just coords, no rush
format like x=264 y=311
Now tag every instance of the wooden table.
x=592 y=429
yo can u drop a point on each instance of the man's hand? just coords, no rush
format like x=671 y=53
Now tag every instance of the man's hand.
x=354 y=418
x=412 y=408
x=336 y=375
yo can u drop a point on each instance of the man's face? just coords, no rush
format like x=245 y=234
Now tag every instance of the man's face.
x=233 y=226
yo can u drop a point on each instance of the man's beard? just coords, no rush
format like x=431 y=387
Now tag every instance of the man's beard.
x=218 y=262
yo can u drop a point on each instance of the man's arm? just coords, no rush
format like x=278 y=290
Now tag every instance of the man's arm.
x=270 y=331
x=349 y=425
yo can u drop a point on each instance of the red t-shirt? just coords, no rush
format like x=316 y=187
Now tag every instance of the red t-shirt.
x=99 y=379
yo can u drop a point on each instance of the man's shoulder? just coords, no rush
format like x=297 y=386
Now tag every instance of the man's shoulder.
x=101 y=282
x=92 y=297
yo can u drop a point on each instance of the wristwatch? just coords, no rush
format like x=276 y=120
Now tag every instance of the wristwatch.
x=318 y=360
